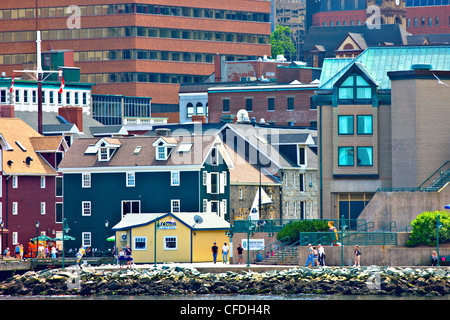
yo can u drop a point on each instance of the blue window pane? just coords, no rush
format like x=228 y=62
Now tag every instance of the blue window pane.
x=345 y=156
x=346 y=93
x=345 y=125
x=365 y=156
x=364 y=125
x=364 y=93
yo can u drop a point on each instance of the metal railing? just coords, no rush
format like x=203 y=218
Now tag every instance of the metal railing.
x=274 y=246
x=276 y=225
x=434 y=183
x=349 y=238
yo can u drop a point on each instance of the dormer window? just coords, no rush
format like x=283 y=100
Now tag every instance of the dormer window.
x=104 y=148
x=104 y=154
x=163 y=147
x=161 y=153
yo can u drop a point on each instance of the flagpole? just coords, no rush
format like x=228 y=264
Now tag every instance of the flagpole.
x=38 y=69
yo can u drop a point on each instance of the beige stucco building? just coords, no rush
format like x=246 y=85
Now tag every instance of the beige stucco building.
x=381 y=126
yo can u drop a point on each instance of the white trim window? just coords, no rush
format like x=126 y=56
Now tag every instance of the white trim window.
x=15 y=238
x=15 y=208
x=103 y=155
x=140 y=243
x=86 y=239
x=175 y=206
x=42 y=208
x=161 y=153
x=175 y=178
x=85 y=180
x=42 y=182
x=15 y=182
x=131 y=179
x=170 y=243
x=86 y=208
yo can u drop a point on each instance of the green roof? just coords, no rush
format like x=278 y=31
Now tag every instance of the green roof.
x=377 y=61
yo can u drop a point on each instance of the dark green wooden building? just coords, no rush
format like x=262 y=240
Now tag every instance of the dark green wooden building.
x=108 y=178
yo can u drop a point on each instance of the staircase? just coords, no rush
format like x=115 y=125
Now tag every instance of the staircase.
x=289 y=258
x=438 y=180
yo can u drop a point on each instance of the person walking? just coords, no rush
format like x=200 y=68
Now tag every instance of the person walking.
x=310 y=256
x=315 y=256
x=214 y=250
x=53 y=252
x=240 y=251
x=321 y=251
x=21 y=251
x=225 y=250
x=357 y=257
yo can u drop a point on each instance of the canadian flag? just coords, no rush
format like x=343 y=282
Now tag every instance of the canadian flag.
x=62 y=86
x=12 y=84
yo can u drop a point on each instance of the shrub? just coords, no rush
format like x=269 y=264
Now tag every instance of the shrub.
x=293 y=228
x=424 y=229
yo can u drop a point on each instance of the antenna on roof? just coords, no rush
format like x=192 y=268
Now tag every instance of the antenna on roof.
x=198 y=220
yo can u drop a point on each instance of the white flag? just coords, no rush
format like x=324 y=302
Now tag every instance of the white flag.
x=254 y=211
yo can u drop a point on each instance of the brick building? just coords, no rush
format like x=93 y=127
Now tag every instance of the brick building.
x=30 y=186
x=416 y=16
x=274 y=103
x=137 y=48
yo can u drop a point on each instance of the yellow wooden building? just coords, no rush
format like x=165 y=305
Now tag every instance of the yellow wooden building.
x=180 y=237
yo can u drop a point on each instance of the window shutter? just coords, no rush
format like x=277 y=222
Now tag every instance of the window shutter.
x=208 y=183
x=222 y=183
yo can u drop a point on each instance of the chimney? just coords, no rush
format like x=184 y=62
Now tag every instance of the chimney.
x=217 y=68
x=162 y=132
x=198 y=118
x=72 y=115
x=7 y=111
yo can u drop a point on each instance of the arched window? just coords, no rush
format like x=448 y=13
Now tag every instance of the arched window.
x=199 y=108
x=348 y=46
x=189 y=110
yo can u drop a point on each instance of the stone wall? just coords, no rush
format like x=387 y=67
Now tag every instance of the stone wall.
x=377 y=255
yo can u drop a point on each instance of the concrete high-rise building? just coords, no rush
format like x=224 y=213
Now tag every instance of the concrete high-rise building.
x=137 y=47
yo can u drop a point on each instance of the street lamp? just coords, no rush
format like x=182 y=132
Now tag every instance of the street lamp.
x=106 y=247
x=65 y=229
x=249 y=230
x=156 y=229
x=37 y=238
x=438 y=226
x=343 y=226
x=1 y=239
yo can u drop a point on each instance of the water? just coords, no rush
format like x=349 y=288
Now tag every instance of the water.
x=223 y=297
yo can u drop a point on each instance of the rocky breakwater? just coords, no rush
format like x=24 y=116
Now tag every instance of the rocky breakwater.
x=175 y=280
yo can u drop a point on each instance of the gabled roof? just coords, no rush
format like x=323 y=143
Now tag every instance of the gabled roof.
x=25 y=143
x=378 y=61
x=356 y=38
x=97 y=131
x=138 y=152
x=244 y=173
x=211 y=221
x=267 y=141
x=331 y=37
x=49 y=144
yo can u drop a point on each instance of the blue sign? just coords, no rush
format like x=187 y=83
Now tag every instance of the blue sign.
x=168 y=225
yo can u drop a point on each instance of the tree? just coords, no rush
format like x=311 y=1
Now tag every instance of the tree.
x=424 y=229
x=281 y=41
